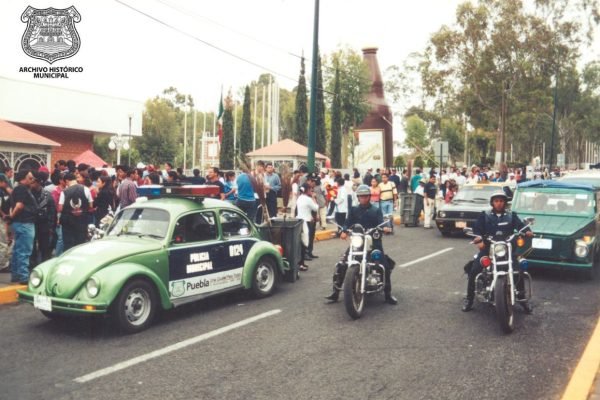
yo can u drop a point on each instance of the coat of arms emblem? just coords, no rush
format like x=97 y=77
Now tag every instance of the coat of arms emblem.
x=50 y=34
x=177 y=288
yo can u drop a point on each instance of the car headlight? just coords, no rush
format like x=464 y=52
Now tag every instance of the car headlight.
x=357 y=241
x=499 y=250
x=581 y=248
x=93 y=287
x=442 y=214
x=35 y=278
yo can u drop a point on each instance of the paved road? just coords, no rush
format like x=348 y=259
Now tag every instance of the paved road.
x=423 y=348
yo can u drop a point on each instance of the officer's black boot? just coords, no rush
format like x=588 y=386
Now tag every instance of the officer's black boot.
x=521 y=295
x=468 y=301
x=334 y=296
x=390 y=299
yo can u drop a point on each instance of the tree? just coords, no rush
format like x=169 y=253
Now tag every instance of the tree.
x=399 y=161
x=453 y=134
x=162 y=128
x=300 y=133
x=416 y=133
x=321 y=134
x=246 y=132
x=336 y=124
x=354 y=86
x=226 y=153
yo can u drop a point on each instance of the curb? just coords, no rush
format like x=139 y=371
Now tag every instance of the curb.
x=580 y=386
x=325 y=235
x=9 y=295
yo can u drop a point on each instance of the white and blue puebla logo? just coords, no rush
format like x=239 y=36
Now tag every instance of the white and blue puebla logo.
x=50 y=34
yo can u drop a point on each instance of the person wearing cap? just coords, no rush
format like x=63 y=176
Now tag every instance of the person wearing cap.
x=369 y=217
x=496 y=222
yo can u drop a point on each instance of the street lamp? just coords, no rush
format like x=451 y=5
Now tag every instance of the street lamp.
x=119 y=142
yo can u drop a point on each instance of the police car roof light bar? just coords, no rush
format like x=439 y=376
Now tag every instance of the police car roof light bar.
x=194 y=192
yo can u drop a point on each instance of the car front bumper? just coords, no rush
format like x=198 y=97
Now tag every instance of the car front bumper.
x=67 y=306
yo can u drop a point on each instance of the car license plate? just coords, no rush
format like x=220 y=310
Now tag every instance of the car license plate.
x=42 y=302
x=538 y=243
x=461 y=224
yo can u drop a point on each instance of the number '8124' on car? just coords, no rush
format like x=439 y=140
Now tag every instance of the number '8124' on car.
x=158 y=254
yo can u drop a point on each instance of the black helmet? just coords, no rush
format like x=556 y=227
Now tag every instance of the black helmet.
x=498 y=194
x=363 y=190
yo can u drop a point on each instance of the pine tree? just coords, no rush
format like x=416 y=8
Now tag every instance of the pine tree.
x=300 y=133
x=336 y=124
x=246 y=133
x=321 y=139
x=226 y=153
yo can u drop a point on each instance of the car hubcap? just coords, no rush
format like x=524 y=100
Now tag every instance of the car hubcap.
x=137 y=306
x=264 y=277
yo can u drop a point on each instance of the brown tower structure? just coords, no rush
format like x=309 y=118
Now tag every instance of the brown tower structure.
x=379 y=120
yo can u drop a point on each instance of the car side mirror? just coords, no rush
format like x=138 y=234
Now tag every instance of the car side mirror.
x=529 y=220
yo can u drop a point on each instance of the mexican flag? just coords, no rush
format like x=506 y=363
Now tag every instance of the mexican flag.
x=220 y=118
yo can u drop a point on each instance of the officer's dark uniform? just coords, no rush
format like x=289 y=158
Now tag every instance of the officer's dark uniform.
x=500 y=226
x=368 y=217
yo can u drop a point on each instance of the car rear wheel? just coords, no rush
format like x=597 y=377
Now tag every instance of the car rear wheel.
x=264 y=278
x=134 y=308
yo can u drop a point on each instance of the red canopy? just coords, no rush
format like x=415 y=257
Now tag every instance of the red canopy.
x=90 y=158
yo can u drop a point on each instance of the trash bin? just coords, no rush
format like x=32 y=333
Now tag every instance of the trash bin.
x=285 y=232
x=411 y=208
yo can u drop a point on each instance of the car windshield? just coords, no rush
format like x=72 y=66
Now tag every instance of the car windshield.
x=475 y=194
x=548 y=201
x=141 y=222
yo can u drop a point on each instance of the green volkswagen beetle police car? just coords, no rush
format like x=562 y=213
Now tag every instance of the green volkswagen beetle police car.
x=567 y=229
x=158 y=254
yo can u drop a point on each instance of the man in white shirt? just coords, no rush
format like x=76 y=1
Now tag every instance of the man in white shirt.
x=307 y=208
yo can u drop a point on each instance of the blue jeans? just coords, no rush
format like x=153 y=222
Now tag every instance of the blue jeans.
x=387 y=207
x=23 y=247
x=58 y=250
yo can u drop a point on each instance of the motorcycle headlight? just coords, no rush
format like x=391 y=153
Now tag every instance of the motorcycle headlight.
x=93 y=287
x=357 y=241
x=581 y=248
x=442 y=214
x=499 y=250
x=35 y=278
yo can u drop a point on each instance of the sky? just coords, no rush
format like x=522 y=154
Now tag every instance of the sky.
x=125 y=53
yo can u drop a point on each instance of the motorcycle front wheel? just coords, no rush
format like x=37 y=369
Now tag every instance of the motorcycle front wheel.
x=504 y=310
x=354 y=300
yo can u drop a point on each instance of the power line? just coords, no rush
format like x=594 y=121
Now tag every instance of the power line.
x=188 y=12
x=229 y=53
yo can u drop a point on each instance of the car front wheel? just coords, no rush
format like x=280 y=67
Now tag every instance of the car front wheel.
x=135 y=306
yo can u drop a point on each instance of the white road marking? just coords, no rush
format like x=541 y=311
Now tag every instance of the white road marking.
x=418 y=260
x=173 y=347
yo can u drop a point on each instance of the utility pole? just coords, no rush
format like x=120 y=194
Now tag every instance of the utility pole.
x=312 y=129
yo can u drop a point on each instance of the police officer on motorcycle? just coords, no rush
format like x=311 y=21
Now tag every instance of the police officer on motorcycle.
x=497 y=222
x=368 y=216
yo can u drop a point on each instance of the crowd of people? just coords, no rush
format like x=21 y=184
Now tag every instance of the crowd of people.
x=45 y=213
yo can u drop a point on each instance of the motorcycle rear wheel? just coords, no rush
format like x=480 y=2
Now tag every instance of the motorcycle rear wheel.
x=354 y=300
x=504 y=310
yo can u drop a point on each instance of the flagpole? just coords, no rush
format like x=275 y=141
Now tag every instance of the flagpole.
x=203 y=148
x=194 y=140
x=255 y=108
x=262 y=136
x=184 y=141
x=269 y=115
